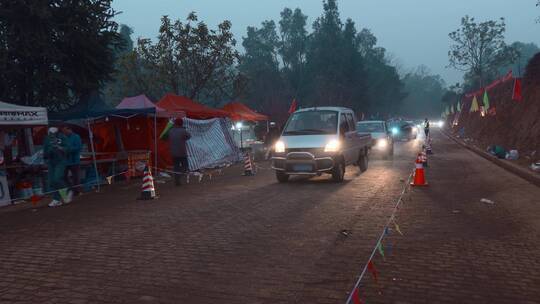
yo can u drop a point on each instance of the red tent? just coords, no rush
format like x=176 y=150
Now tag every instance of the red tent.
x=174 y=103
x=239 y=111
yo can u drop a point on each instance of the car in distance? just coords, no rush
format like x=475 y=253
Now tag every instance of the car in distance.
x=382 y=140
x=320 y=140
x=402 y=130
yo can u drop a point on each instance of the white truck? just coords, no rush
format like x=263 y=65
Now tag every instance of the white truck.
x=320 y=140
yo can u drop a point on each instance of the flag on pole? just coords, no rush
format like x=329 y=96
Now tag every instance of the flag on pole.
x=517 y=90
x=486 y=101
x=292 y=109
x=474 y=105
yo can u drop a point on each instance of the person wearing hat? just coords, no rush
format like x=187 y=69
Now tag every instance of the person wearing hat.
x=54 y=153
x=178 y=137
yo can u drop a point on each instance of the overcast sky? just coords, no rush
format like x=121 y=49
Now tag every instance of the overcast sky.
x=414 y=31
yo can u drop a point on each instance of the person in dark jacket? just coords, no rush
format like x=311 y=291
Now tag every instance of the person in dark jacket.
x=54 y=153
x=73 y=156
x=178 y=137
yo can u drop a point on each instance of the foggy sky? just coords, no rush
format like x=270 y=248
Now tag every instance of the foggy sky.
x=414 y=31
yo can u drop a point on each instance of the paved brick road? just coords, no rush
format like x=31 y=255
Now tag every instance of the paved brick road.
x=250 y=240
x=457 y=249
x=232 y=240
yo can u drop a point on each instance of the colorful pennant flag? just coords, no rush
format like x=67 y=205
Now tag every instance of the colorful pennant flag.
x=292 y=109
x=109 y=179
x=396 y=226
x=486 y=101
x=168 y=127
x=389 y=249
x=474 y=105
x=63 y=193
x=356 y=296
x=373 y=271
x=459 y=106
x=381 y=250
x=516 y=95
x=35 y=199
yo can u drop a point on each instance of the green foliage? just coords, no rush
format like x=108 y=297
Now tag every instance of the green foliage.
x=332 y=65
x=188 y=59
x=479 y=50
x=525 y=52
x=52 y=53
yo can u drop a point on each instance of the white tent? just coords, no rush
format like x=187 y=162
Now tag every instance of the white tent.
x=15 y=115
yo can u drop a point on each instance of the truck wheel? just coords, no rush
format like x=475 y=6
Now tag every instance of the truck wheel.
x=363 y=163
x=390 y=154
x=338 y=173
x=282 y=177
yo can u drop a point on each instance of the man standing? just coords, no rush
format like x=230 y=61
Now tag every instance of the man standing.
x=73 y=159
x=178 y=136
x=426 y=127
x=54 y=153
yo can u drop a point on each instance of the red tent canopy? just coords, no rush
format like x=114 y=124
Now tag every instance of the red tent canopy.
x=192 y=109
x=239 y=111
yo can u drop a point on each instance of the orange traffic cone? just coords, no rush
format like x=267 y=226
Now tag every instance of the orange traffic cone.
x=419 y=177
x=148 y=192
x=424 y=158
x=248 y=168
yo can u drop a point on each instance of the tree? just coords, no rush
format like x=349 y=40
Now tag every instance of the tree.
x=525 y=52
x=425 y=92
x=479 y=49
x=260 y=66
x=53 y=53
x=292 y=47
x=189 y=59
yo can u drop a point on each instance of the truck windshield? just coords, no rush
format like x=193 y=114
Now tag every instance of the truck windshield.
x=370 y=127
x=312 y=123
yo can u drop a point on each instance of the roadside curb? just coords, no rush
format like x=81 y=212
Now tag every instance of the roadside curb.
x=515 y=169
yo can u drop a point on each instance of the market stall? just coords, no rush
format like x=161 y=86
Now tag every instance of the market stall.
x=250 y=127
x=20 y=167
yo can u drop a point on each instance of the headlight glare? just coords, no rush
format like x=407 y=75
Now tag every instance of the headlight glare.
x=332 y=146
x=382 y=143
x=279 y=147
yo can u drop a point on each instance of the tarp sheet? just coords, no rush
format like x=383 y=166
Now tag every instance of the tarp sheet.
x=211 y=144
x=174 y=103
x=138 y=102
x=238 y=111
x=15 y=115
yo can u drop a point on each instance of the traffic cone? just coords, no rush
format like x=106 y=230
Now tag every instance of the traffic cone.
x=148 y=192
x=419 y=177
x=248 y=168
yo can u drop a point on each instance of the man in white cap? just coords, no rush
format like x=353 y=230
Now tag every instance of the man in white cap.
x=54 y=153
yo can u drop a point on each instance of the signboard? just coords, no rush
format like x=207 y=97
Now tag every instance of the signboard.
x=11 y=114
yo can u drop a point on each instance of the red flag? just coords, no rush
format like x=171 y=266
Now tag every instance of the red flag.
x=292 y=109
x=373 y=270
x=356 y=296
x=517 y=90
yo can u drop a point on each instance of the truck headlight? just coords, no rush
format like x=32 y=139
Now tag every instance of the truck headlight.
x=332 y=146
x=415 y=129
x=395 y=131
x=279 y=147
x=382 y=143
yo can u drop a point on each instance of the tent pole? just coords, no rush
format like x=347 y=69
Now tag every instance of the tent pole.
x=91 y=135
x=155 y=145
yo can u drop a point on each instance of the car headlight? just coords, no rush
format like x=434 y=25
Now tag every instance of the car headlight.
x=279 y=147
x=441 y=123
x=332 y=146
x=382 y=143
x=395 y=131
x=415 y=129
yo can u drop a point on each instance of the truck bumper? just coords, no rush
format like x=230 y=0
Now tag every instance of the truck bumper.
x=303 y=163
